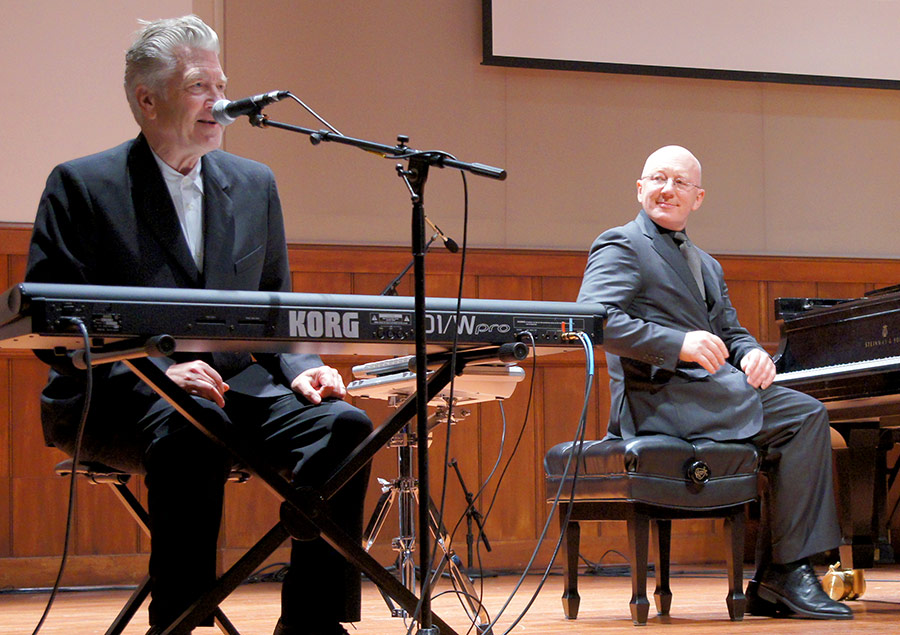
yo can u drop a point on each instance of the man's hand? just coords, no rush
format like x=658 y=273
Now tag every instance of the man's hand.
x=704 y=348
x=318 y=383
x=200 y=379
x=759 y=368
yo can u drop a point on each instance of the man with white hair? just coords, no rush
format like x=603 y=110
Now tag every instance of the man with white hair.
x=169 y=209
x=681 y=364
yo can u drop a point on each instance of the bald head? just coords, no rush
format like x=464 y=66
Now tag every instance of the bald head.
x=668 y=155
x=669 y=187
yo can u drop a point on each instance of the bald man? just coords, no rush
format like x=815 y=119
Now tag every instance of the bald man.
x=681 y=364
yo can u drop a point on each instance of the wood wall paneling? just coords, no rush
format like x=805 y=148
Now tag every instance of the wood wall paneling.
x=38 y=516
x=5 y=402
x=560 y=289
x=744 y=296
x=103 y=525
x=842 y=289
x=16 y=268
x=512 y=500
x=109 y=547
x=30 y=456
x=5 y=517
x=5 y=451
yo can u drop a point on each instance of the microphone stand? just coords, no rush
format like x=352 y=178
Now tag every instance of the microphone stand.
x=472 y=515
x=415 y=177
x=391 y=289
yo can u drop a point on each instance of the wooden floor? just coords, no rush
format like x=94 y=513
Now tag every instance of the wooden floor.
x=698 y=607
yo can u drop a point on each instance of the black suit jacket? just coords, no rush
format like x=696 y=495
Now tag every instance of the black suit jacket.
x=108 y=219
x=652 y=300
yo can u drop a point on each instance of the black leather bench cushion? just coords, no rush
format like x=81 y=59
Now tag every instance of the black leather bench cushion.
x=653 y=469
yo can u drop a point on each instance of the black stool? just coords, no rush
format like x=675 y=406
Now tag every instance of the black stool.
x=658 y=478
x=99 y=473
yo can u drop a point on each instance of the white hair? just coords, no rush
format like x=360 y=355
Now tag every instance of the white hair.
x=153 y=57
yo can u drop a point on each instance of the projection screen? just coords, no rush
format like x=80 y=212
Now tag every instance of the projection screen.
x=830 y=42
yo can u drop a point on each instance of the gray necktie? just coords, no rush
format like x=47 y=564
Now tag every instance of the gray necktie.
x=693 y=258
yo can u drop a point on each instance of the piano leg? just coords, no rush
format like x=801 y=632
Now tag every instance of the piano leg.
x=859 y=472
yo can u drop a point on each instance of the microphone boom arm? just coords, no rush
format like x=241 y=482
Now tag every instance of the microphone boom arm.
x=400 y=151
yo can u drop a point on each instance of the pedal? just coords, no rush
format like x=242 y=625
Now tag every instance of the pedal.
x=844 y=584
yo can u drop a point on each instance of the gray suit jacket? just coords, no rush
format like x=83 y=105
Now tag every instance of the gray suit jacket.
x=642 y=278
x=108 y=219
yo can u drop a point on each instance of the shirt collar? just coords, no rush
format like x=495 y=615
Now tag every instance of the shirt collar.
x=172 y=175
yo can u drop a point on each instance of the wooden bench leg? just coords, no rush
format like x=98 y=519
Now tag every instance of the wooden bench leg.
x=571 y=542
x=638 y=544
x=734 y=565
x=663 y=542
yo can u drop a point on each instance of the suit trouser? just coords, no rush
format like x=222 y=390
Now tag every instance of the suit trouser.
x=799 y=517
x=185 y=479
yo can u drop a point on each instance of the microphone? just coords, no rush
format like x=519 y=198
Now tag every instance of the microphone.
x=449 y=243
x=226 y=112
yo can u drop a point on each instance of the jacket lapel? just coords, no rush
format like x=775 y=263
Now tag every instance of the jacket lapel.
x=218 y=221
x=155 y=210
x=665 y=247
x=713 y=291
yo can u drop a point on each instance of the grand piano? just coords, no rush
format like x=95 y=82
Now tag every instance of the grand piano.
x=846 y=353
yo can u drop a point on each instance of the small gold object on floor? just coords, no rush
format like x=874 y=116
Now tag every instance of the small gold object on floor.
x=844 y=584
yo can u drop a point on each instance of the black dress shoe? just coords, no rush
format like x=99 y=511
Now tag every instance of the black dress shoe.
x=797 y=588
x=760 y=607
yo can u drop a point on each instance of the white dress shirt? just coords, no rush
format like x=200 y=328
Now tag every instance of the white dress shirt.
x=187 y=195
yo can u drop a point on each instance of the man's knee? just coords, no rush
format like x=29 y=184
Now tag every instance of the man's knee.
x=178 y=445
x=817 y=414
x=352 y=425
x=808 y=409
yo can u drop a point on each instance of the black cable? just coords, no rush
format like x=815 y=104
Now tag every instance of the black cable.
x=76 y=457
x=515 y=449
x=459 y=295
x=479 y=540
x=594 y=568
x=263 y=574
x=511 y=456
x=477 y=495
x=454 y=350
x=575 y=456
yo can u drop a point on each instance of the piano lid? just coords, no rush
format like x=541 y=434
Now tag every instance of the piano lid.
x=831 y=332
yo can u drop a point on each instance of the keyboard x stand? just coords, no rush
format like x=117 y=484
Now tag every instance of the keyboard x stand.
x=303 y=509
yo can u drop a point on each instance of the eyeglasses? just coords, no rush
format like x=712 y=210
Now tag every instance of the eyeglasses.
x=661 y=180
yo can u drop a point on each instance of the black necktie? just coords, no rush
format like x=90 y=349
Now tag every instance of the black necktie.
x=693 y=258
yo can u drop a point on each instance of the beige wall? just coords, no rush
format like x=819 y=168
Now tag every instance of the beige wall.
x=61 y=80
x=788 y=169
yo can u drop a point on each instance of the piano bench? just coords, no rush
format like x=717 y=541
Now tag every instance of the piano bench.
x=99 y=473
x=658 y=478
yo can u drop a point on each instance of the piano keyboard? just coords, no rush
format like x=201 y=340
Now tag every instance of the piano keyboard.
x=840 y=370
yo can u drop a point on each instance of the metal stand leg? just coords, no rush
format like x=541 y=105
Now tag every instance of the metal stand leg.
x=461 y=582
x=404 y=489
